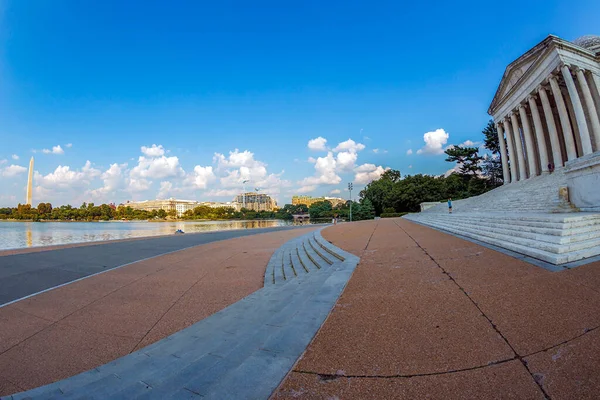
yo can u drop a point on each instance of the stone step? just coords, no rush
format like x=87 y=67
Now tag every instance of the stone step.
x=543 y=242
x=565 y=234
x=243 y=351
x=555 y=237
x=530 y=248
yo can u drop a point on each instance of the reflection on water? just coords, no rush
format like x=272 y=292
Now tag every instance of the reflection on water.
x=15 y=235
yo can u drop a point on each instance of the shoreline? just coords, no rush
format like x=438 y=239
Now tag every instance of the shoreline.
x=32 y=249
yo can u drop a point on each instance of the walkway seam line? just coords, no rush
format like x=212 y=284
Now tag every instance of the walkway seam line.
x=411 y=375
x=98 y=273
x=519 y=357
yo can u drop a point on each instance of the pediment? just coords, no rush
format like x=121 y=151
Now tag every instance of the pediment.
x=519 y=69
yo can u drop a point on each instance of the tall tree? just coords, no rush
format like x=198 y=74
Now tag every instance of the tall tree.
x=467 y=158
x=492 y=168
x=491 y=138
x=377 y=191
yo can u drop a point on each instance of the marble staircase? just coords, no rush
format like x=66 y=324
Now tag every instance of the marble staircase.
x=538 y=194
x=526 y=217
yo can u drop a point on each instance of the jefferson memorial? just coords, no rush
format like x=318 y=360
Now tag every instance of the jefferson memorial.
x=547 y=113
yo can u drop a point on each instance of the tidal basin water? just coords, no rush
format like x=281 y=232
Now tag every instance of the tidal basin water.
x=15 y=235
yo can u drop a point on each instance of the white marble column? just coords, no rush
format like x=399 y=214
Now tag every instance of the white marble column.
x=539 y=133
x=503 y=156
x=531 y=160
x=511 y=150
x=591 y=108
x=518 y=146
x=563 y=115
x=552 y=131
x=584 y=133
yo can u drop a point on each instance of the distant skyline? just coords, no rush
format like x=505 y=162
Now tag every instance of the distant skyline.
x=136 y=100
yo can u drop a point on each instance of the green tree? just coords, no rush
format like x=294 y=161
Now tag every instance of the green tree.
x=492 y=169
x=467 y=158
x=377 y=192
x=491 y=138
x=320 y=209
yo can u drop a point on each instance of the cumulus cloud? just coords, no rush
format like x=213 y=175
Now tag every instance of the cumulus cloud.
x=15 y=157
x=349 y=145
x=469 y=143
x=367 y=173
x=55 y=150
x=153 y=151
x=64 y=178
x=202 y=176
x=325 y=173
x=318 y=144
x=12 y=170
x=306 y=189
x=335 y=191
x=409 y=152
x=241 y=165
x=157 y=168
x=434 y=142
x=165 y=189
x=379 y=151
x=346 y=160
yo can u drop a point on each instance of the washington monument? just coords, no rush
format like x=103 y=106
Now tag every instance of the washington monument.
x=30 y=182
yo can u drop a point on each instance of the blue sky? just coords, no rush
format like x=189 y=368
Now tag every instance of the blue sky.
x=234 y=89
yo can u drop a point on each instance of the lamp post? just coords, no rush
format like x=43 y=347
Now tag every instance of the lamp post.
x=350 y=190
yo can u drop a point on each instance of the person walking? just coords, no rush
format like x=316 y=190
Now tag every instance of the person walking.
x=450 y=206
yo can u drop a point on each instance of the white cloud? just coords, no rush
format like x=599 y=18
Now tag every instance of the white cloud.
x=2 y=162
x=114 y=180
x=410 y=167
x=12 y=170
x=306 y=189
x=470 y=143
x=349 y=145
x=379 y=151
x=318 y=144
x=15 y=157
x=434 y=142
x=346 y=160
x=312 y=160
x=156 y=167
x=165 y=189
x=325 y=173
x=409 y=152
x=153 y=151
x=69 y=145
x=203 y=176
x=367 y=173
x=64 y=178
x=55 y=150
x=335 y=191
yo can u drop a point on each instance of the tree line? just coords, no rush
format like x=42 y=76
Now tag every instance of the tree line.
x=476 y=175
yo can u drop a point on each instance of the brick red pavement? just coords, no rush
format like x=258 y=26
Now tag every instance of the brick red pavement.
x=80 y=326
x=429 y=315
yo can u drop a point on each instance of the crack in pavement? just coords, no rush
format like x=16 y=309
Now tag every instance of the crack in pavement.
x=493 y=325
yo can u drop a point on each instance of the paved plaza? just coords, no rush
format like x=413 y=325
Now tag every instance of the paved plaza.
x=424 y=315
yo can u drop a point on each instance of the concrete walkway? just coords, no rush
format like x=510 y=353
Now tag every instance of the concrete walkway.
x=82 y=325
x=240 y=352
x=27 y=271
x=429 y=315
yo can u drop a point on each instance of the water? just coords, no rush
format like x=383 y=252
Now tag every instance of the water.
x=15 y=235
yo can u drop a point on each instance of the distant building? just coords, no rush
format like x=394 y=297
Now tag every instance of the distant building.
x=255 y=201
x=308 y=200
x=216 y=204
x=180 y=206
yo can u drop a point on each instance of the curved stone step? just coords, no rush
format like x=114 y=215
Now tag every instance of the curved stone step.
x=242 y=351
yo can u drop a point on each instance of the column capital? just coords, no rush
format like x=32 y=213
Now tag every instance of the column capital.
x=532 y=96
x=523 y=105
